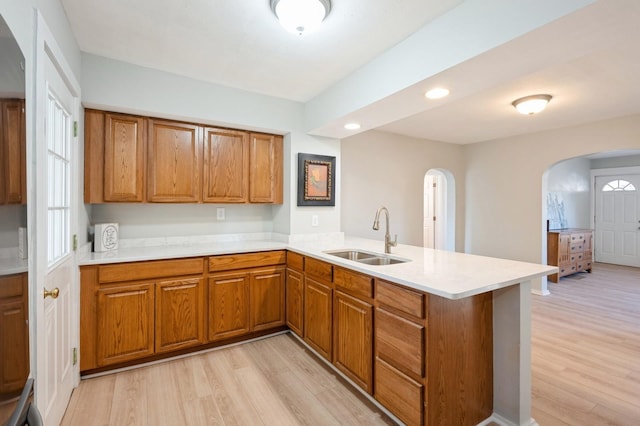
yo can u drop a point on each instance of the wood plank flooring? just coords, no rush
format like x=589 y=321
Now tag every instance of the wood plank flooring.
x=275 y=381
x=586 y=349
x=585 y=371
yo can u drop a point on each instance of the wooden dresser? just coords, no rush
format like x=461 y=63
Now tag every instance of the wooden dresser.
x=571 y=250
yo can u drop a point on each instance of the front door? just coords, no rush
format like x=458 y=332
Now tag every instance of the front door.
x=55 y=299
x=617 y=220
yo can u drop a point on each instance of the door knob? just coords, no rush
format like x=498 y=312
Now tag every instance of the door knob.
x=53 y=293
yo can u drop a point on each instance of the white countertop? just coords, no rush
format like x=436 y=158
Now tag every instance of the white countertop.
x=13 y=265
x=447 y=274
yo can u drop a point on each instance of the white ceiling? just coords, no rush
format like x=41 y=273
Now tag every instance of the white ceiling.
x=588 y=60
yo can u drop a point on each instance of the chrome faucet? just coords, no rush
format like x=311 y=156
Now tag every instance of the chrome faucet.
x=387 y=238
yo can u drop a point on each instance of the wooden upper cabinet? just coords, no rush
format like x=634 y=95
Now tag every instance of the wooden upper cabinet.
x=124 y=158
x=226 y=162
x=265 y=173
x=13 y=156
x=174 y=166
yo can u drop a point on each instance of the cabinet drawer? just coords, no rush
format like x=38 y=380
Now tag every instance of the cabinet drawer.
x=295 y=261
x=353 y=282
x=577 y=238
x=401 y=299
x=397 y=392
x=400 y=342
x=318 y=269
x=148 y=270
x=576 y=247
x=248 y=260
x=11 y=286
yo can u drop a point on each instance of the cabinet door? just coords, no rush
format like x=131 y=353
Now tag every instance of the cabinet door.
x=124 y=158
x=125 y=323
x=318 y=324
x=564 y=249
x=174 y=170
x=267 y=298
x=400 y=394
x=228 y=305
x=13 y=156
x=295 y=299
x=265 y=176
x=353 y=343
x=14 y=335
x=179 y=314
x=226 y=162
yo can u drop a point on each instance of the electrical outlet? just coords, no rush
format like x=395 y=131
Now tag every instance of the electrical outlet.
x=220 y=213
x=314 y=220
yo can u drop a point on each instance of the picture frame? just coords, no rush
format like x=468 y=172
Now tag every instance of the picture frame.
x=316 y=180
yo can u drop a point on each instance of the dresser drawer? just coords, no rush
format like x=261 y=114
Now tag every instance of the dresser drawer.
x=353 y=283
x=576 y=247
x=400 y=299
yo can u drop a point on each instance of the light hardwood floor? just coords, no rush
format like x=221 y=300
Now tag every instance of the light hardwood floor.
x=585 y=371
x=275 y=381
x=586 y=349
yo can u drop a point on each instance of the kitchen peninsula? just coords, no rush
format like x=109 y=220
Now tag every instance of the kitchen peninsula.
x=448 y=330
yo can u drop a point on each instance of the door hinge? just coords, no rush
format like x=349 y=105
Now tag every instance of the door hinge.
x=434 y=218
x=75 y=356
x=434 y=184
x=75 y=242
x=75 y=129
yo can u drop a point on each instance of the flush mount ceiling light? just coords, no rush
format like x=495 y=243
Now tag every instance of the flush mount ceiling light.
x=300 y=16
x=437 y=93
x=531 y=104
x=352 y=126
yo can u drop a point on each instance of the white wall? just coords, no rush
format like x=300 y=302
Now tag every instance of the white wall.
x=381 y=168
x=613 y=162
x=118 y=86
x=571 y=180
x=504 y=183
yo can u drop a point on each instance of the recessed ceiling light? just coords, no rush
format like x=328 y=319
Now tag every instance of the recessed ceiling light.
x=352 y=126
x=531 y=104
x=437 y=93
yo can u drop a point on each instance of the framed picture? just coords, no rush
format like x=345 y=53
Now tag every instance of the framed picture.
x=316 y=180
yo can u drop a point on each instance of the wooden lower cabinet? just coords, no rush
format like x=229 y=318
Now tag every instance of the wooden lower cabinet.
x=14 y=334
x=318 y=314
x=267 y=290
x=228 y=305
x=353 y=339
x=125 y=319
x=179 y=314
x=400 y=394
x=294 y=301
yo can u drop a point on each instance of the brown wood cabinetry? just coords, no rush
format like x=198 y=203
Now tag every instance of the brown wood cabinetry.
x=246 y=293
x=174 y=165
x=12 y=152
x=124 y=157
x=318 y=306
x=14 y=334
x=125 y=319
x=295 y=293
x=226 y=165
x=571 y=250
x=131 y=311
x=141 y=159
x=265 y=173
x=179 y=314
x=353 y=338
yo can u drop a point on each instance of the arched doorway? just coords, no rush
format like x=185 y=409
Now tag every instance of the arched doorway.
x=439 y=210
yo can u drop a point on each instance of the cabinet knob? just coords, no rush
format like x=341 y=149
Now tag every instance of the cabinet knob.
x=53 y=293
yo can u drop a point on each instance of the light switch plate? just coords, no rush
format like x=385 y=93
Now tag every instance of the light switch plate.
x=314 y=220
x=220 y=213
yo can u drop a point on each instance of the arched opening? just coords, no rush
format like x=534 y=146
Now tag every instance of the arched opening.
x=439 y=210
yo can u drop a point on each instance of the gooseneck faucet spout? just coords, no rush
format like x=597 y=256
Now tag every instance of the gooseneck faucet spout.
x=387 y=237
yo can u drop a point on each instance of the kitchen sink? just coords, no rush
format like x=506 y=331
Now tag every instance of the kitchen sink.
x=366 y=257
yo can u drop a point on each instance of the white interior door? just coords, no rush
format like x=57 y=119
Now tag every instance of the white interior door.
x=56 y=270
x=617 y=219
x=435 y=218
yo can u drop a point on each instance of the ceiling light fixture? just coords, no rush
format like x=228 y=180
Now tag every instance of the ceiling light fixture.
x=300 y=16
x=352 y=126
x=530 y=105
x=437 y=93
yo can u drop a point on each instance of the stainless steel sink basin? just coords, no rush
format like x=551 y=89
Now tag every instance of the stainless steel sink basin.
x=366 y=257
